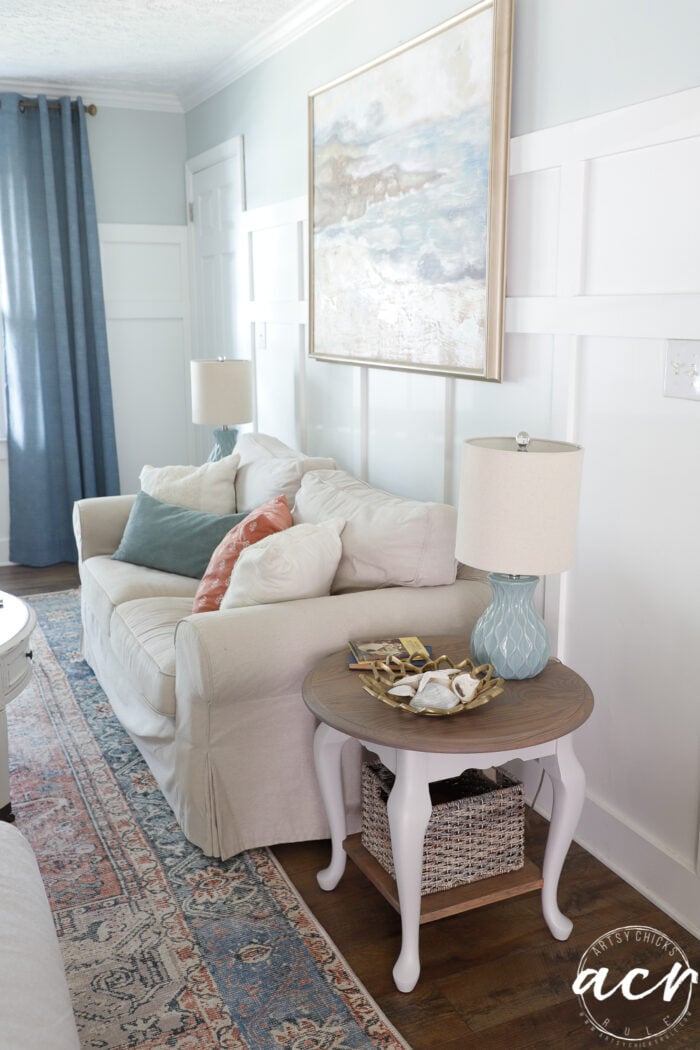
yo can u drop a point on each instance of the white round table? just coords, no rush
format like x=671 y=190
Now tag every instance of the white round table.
x=17 y=621
x=531 y=719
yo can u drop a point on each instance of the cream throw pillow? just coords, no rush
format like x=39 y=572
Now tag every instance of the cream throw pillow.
x=210 y=488
x=388 y=541
x=269 y=468
x=297 y=563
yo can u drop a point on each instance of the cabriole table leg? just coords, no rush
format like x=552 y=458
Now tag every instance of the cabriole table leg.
x=328 y=745
x=409 y=810
x=569 y=789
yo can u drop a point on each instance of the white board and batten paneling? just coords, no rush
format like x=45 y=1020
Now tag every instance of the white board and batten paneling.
x=146 y=286
x=603 y=270
x=274 y=316
x=610 y=199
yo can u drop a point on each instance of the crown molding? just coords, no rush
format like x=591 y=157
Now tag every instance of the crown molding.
x=290 y=27
x=100 y=96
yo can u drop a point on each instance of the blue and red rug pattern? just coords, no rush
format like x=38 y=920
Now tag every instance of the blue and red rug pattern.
x=163 y=946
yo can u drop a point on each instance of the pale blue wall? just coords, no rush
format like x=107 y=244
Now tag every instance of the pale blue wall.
x=138 y=164
x=571 y=58
x=575 y=58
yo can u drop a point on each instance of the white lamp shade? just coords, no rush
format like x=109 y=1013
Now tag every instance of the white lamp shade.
x=221 y=392
x=517 y=510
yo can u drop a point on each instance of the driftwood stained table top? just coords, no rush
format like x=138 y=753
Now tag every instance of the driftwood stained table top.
x=527 y=713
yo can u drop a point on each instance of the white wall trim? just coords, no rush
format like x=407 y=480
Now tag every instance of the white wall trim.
x=232 y=147
x=259 y=313
x=285 y=31
x=564 y=159
x=624 y=847
x=669 y=883
x=649 y=316
x=136 y=311
x=651 y=123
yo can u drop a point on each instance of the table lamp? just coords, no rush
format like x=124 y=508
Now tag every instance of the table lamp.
x=518 y=504
x=222 y=394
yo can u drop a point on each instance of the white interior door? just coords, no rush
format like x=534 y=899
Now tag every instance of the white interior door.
x=215 y=201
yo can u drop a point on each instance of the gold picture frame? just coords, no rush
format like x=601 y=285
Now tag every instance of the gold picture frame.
x=408 y=173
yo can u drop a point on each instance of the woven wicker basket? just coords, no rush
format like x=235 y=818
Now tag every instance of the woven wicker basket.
x=476 y=828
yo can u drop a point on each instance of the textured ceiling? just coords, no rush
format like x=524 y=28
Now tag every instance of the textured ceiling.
x=160 y=46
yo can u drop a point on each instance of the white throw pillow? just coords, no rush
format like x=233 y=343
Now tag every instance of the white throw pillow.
x=269 y=468
x=297 y=563
x=388 y=541
x=264 y=479
x=210 y=488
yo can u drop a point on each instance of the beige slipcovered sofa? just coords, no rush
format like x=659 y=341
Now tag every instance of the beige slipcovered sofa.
x=35 y=1003
x=213 y=700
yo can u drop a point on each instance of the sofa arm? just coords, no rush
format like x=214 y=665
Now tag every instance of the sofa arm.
x=98 y=524
x=259 y=652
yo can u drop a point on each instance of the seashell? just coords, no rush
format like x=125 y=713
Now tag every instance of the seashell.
x=402 y=690
x=465 y=686
x=434 y=695
x=439 y=677
x=409 y=679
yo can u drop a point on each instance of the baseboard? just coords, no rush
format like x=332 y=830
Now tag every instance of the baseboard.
x=663 y=879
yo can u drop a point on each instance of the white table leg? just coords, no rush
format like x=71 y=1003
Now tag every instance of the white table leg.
x=569 y=788
x=328 y=746
x=409 y=811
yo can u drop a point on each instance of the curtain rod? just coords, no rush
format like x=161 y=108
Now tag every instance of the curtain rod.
x=34 y=104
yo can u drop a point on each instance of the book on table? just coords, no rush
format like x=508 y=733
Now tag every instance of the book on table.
x=365 y=653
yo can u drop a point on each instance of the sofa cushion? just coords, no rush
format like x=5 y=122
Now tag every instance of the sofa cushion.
x=297 y=563
x=208 y=488
x=170 y=538
x=269 y=468
x=106 y=583
x=142 y=635
x=387 y=540
x=273 y=516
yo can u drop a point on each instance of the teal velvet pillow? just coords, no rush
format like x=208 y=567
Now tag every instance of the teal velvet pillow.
x=173 y=539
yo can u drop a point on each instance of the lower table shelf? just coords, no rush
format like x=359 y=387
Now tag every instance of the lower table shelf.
x=447 y=902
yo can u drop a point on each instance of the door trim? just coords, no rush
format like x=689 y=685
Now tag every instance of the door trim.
x=230 y=149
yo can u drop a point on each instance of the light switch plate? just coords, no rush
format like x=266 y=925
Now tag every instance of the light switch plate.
x=682 y=376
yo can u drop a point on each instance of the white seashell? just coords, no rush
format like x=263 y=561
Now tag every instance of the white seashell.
x=409 y=679
x=401 y=690
x=434 y=695
x=440 y=677
x=466 y=686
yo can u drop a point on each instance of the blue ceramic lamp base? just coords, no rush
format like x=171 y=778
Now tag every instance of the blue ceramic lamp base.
x=224 y=440
x=510 y=635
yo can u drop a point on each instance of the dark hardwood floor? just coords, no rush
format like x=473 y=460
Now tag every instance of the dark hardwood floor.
x=19 y=579
x=492 y=979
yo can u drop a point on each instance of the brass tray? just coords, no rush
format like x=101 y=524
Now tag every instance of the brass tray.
x=385 y=675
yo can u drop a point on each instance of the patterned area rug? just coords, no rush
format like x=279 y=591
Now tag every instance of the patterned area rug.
x=163 y=946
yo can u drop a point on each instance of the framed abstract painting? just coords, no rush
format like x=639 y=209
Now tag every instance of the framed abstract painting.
x=408 y=188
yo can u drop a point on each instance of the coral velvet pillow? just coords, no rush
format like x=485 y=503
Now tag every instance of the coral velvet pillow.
x=273 y=516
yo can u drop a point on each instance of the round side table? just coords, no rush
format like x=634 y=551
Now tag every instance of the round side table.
x=531 y=719
x=17 y=621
